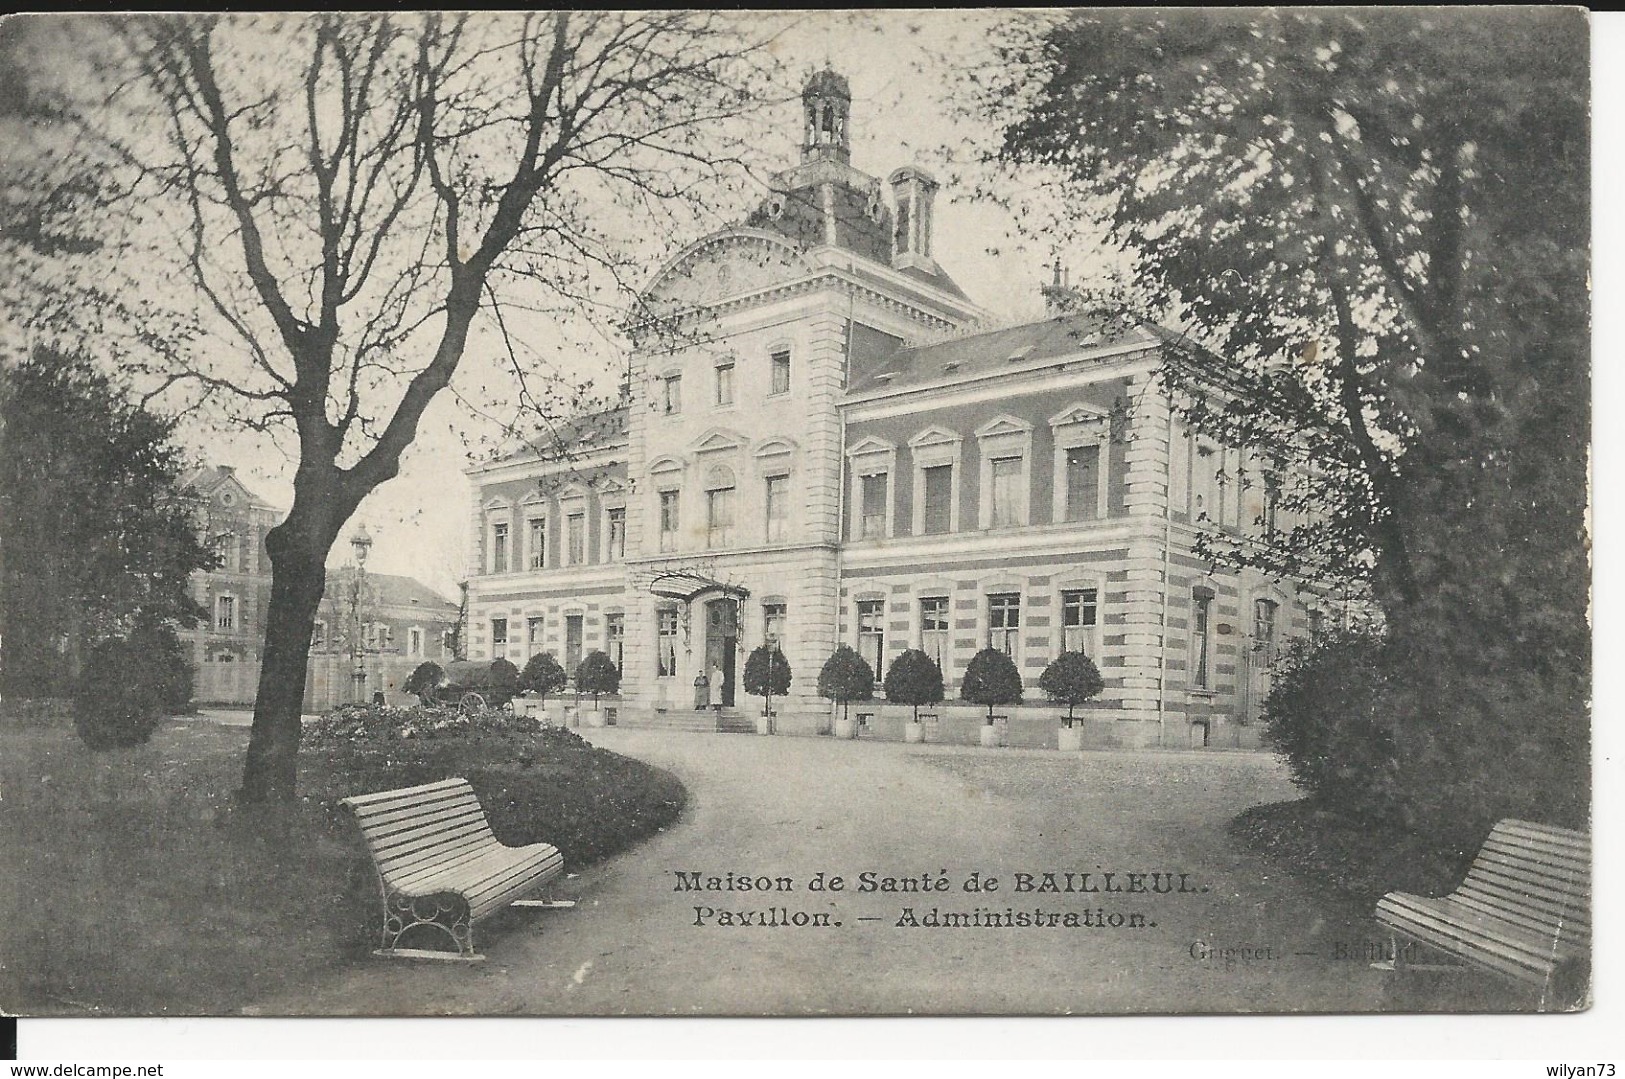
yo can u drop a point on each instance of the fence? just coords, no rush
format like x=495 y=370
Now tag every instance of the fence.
x=329 y=682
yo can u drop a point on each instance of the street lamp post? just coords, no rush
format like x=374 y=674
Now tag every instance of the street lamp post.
x=360 y=544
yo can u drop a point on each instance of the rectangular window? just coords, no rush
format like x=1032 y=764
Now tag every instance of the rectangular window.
x=780 y=373
x=225 y=613
x=1080 y=608
x=671 y=391
x=615 y=530
x=666 y=642
x=533 y=635
x=872 y=521
x=499 y=548
x=778 y=507
x=1004 y=622
x=668 y=520
x=938 y=499
x=725 y=383
x=499 y=637
x=1006 y=472
x=1317 y=622
x=414 y=641
x=1082 y=483
x=1206 y=485
x=615 y=638
x=575 y=532
x=1264 y=630
x=872 y=632
x=318 y=635
x=773 y=623
x=572 y=643
x=719 y=517
x=1200 y=609
x=934 y=630
x=536 y=542
x=1272 y=505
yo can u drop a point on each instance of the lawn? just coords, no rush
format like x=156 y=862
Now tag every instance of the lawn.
x=134 y=885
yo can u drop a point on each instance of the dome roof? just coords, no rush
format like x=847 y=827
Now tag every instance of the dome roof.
x=828 y=83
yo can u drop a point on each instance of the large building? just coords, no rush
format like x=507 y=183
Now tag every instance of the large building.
x=372 y=628
x=824 y=441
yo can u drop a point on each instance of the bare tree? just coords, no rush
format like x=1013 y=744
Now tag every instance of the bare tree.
x=361 y=201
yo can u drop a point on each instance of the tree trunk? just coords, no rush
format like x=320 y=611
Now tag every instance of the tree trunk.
x=298 y=578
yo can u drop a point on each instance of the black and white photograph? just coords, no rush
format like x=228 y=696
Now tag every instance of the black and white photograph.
x=788 y=514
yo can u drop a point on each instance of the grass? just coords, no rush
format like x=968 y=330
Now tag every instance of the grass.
x=135 y=885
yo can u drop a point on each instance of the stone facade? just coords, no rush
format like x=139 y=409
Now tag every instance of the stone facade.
x=823 y=441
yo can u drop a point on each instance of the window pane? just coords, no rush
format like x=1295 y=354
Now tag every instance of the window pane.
x=666 y=642
x=1004 y=622
x=1082 y=483
x=781 y=373
x=778 y=507
x=536 y=542
x=499 y=548
x=939 y=493
x=673 y=386
x=1006 y=491
x=1079 y=612
x=1199 y=615
x=719 y=517
x=873 y=522
x=872 y=631
x=668 y=520
x=617 y=534
x=499 y=633
x=934 y=630
x=725 y=384
x=615 y=638
x=773 y=623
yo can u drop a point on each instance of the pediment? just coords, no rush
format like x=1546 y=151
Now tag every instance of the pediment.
x=774 y=447
x=717 y=441
x=871 y=444
x=1078 y=412
x=1003 y=425
x=727 y=264
x=934 y=436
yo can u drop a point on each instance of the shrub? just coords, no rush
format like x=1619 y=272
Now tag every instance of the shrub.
x=120 y=695
x=991 y=678
x=1327 y=715
x=424 y=681
x=914 y=679
x=597 y=674
x=172 y=672
x=542 y=675
x=767 y=675
x=352 y=723
x=1070 y=679
x=504 y=678
x=846 y=677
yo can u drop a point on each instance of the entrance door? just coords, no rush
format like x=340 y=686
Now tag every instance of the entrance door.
x=721 y=644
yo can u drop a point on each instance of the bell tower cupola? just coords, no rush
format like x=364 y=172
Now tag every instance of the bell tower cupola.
x=826 y=108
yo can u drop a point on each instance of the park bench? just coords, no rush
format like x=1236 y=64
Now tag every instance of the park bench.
x=1523 y=912
x=439 y=864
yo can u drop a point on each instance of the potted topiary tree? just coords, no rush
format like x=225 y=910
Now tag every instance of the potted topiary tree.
x=767 y=674
x=502 y=681
x=424 y=682
x=914 y=679
x=596 y=674
x=542 y=675
x=1071 y=679
x=846 y=677
x=991 y=678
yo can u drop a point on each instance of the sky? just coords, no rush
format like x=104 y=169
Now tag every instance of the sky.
x=901 y=65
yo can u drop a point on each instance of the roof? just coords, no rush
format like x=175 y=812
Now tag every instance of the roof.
x=393 y=590
x=210 y=478
x=580 y=433
x=990 y=350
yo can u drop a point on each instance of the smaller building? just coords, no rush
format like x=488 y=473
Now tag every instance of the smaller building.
x=401 y=621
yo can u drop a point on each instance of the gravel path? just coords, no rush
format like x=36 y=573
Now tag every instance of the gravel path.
x=1240 y=938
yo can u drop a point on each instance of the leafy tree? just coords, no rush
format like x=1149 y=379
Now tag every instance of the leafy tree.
x=767 y=674
x=914 y=679
x=503 y=677
x=424 y=681
x=597 y=673
x=352 y=201
x=846 y=677
x=1070 y=679
x=99 y=536
x=543 y=675
x=991 y=678
x=1376 y=224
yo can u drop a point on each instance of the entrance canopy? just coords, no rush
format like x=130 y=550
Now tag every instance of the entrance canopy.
x=687 y=586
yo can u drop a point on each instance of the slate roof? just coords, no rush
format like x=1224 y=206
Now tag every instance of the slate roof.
x=582 y=433
x=206 y=480
x=991 y=350
x=393 y=590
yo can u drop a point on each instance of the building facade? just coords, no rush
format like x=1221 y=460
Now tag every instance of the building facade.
x=380 y=625
x=825 y=441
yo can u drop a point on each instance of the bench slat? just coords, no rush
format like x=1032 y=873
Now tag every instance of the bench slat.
x=419 y=816
x=1566 y=929
x=408 y=878
x=1516 y=893
x=448 y=827
x=457 y=836
x=1489 y=941
x=1561 y=862
x=361 y=801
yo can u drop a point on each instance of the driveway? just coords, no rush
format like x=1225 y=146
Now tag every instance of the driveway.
x=1232 y=935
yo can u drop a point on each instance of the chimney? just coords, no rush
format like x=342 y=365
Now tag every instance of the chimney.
x=913 y=190
x=1060 y=298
